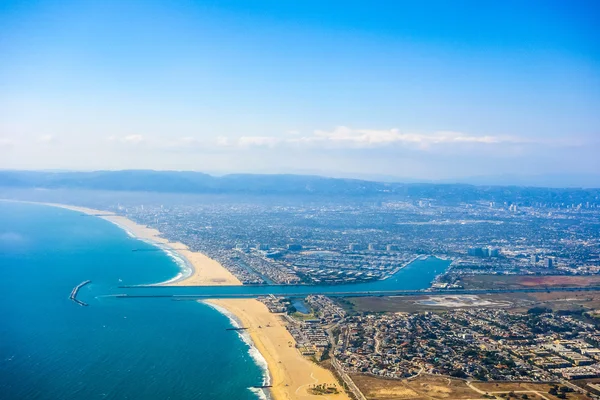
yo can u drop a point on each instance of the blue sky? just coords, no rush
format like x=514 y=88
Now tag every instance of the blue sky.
x=419 y=90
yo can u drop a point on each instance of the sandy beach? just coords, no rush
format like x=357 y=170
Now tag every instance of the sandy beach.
x=291 y=373
x=206 y=271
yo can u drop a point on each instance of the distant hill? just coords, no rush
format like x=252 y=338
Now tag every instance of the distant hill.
x=197 y=182
x=185 y=182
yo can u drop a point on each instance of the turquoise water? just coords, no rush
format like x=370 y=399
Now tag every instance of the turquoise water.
x=51 y=348
x=415 y=276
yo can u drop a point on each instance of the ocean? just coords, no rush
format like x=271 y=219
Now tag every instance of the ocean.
x=52 y=348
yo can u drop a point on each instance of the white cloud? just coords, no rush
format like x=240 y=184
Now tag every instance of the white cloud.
x=186 y=141
x=130 y=139
x=47 y=139
x=133 y=139
x=190 y=142
x=263 y=141
x=344 y=137
x=5 y=142
x=222 y=141
x=341 y=137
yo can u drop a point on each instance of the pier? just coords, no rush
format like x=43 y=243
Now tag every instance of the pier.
x=75 y=291
x=236 y=329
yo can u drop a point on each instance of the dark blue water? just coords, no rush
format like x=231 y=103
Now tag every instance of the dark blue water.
x=300 y=306
x=51 y=348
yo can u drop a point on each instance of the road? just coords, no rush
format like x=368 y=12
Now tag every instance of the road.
x=470 y=385
x=338 y=368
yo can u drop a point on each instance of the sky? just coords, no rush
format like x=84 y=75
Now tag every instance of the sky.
x=414 y=90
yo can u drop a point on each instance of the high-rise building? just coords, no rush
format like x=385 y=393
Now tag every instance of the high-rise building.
x=549 y=263
x=372 y=247
x=475 y=252
x=391 y=247
x=534 y=259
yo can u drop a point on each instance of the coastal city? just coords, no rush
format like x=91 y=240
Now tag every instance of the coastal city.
x=468 y=343
x=382 y=345
x=299 y=200
x=346 y=242
x=489 y=246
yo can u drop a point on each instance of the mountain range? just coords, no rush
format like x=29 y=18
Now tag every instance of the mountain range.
x=197 y=182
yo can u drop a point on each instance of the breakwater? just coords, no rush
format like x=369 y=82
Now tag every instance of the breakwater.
x=249 y=294
x=75 y=291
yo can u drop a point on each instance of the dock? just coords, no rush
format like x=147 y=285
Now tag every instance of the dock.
x=75 y=291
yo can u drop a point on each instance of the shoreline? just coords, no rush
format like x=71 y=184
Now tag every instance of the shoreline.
x=290 y=373
x=253 y=351
x=271 y=346
x=196 y=269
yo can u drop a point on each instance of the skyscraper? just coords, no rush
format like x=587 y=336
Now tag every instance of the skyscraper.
x=534 y=259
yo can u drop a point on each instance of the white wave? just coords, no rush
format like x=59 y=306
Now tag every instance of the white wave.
x=262 y=394
x=173 y=279
x=184 y=265
x=256 y=356
x=186 y=270
x=127 y=231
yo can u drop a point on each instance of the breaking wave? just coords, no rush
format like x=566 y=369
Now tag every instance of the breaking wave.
x=258 y=358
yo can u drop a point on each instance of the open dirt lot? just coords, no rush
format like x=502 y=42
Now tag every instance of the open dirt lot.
x=422 y=303
x=528 y=281
x=423 y=387
x=521 y=388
